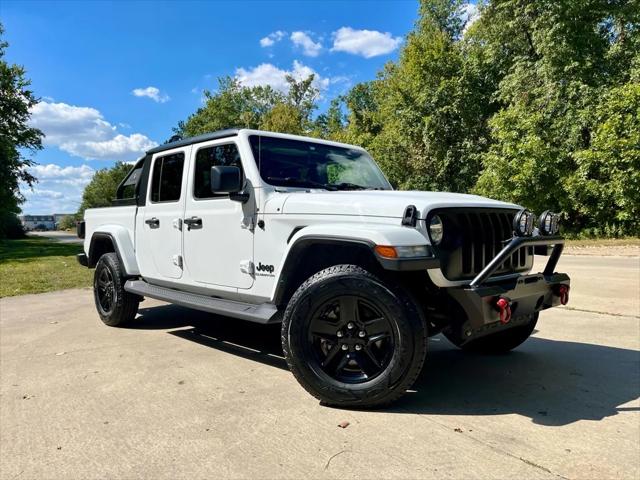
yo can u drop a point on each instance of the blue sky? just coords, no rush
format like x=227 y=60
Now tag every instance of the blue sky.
x=115 y=77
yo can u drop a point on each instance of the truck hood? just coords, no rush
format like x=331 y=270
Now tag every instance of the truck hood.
x=380 y=203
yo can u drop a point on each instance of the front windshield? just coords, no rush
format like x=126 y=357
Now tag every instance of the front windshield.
x=296 y=163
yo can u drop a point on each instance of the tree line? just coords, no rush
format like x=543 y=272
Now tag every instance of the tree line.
x=535 y=102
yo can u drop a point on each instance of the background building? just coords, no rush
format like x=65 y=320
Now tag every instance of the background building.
x=41 y=222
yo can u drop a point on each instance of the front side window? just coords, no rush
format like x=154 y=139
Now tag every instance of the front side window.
x=299 y=163
x=166 y=182
x=219 y=155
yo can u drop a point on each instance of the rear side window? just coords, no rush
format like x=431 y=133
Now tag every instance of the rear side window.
x=166 y=182
x=127 y=190
x=219 y=155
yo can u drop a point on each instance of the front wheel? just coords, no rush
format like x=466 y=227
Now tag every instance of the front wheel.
x=115 y=305
x=352 y=341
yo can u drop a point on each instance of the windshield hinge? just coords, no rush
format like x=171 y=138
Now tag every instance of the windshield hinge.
x=248 y=223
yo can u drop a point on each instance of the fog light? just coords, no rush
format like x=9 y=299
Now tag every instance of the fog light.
x=549 y=223
x=523 y=223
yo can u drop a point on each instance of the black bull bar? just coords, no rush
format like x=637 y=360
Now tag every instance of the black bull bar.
x=491 y=304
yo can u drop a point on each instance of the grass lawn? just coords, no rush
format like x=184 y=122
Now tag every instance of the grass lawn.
x=605 y=242
x=35 y=265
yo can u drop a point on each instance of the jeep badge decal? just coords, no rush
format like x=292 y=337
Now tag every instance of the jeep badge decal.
x=265 y=268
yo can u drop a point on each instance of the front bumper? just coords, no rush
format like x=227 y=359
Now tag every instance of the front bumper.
x=525 y=295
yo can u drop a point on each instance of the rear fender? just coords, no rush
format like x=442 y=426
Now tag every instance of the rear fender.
x=122 y=245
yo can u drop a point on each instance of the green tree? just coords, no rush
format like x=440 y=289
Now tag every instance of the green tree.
x=605 y=186
x=68 y=222
x=101 y=190
x=424 y=118
x=232 y=105
x=16 y=136
x=235 y=105
x=292 y=112
x=559 y=61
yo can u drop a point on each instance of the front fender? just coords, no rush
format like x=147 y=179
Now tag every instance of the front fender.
x=360 y=234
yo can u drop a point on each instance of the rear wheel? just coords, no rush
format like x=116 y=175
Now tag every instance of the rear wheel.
x=496 y=343
x=350 y=340
x=115 y=305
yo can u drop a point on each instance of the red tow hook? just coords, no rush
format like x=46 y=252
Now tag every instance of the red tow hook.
x=504 y=307
x=562 y=291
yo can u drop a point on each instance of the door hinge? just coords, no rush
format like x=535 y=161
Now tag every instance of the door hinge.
x=177 y=260
x=246 y=266
x=248 y=224
x=177 y=223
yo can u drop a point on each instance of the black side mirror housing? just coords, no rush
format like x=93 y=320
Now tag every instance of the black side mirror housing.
x=225 y=179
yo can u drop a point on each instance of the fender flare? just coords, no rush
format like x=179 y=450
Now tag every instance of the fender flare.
x=122 y=245
x=359 y=236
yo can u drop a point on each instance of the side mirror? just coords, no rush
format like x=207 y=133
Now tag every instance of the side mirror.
x=225 y=179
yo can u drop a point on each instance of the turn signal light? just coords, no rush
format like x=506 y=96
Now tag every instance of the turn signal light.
x=386 y=251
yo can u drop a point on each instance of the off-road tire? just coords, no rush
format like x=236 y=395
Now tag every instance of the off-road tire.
x=124 y=304
x=497 y=343
x=406 y=357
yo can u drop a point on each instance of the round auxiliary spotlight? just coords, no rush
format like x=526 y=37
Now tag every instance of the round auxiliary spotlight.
x=549 y=223
x=523 y=223
x=436 y=230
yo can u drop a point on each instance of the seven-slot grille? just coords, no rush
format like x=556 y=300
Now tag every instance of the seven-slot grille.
x=473 y=237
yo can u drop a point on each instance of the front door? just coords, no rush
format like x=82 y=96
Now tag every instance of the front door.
x=218 y=233
x=162 y=217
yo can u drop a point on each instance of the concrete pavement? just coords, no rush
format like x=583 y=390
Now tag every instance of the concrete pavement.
x=182 y=394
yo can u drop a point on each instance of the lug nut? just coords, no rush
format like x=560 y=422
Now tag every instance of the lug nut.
x=350 y=325
x=358 y=347
x=361 y=333
x=339 y=334
x=345 y=347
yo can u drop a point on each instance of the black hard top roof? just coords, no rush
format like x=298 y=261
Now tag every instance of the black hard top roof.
x=229 y=132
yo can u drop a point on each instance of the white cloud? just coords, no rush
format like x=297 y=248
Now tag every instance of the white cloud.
x=366 y=43
x=52 y=173
x=272 y=38
x=59 y=189
x=43 y=193
x=151 y=92
x=83 y=132
x=469 y=13
x=269 y=74
x=309 y=47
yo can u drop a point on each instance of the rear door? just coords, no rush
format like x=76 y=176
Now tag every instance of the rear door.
x=159 y=240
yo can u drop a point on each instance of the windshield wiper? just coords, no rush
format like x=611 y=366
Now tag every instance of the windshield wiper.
x=298 y=182
x=348 y=186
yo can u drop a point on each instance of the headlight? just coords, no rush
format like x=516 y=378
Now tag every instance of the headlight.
x=436 y=230
x=549 y=223
x=523 y=223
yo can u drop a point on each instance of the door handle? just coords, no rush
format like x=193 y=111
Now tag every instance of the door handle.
x=153 y=222
x=193 y=222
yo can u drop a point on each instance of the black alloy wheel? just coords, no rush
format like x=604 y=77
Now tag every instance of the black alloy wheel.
x=105 y=290
x=351 y=338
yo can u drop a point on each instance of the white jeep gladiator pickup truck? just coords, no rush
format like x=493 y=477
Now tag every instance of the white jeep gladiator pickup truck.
x=268 y=227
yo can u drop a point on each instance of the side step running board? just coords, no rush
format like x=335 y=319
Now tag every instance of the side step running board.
x=263 y=313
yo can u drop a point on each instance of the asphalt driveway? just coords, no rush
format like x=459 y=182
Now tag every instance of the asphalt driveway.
x=182 y=394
